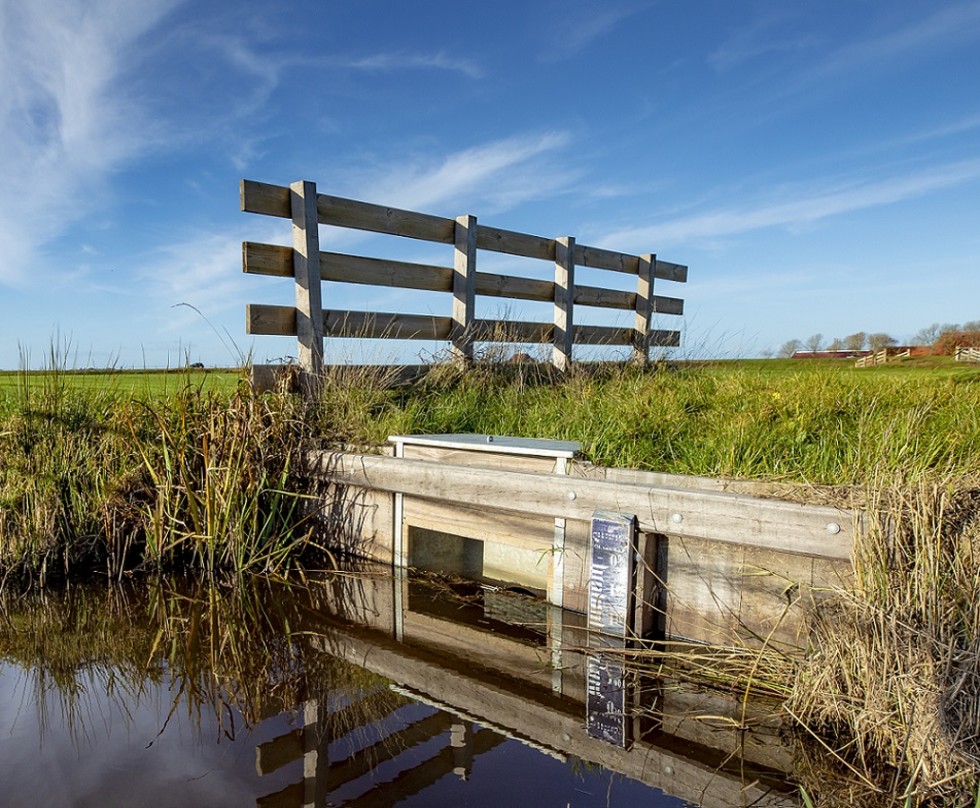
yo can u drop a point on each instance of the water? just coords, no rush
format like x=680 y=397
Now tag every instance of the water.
x=355 y=690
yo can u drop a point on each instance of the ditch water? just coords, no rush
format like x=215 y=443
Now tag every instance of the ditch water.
x=354 y=689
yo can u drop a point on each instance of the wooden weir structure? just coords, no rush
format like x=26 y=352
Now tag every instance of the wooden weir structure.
x=721 y=563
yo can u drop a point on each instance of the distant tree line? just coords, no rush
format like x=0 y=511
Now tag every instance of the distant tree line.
x=942 y=337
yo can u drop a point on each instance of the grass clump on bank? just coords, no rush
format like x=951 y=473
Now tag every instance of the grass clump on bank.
x=893 y=681
x=94 y=478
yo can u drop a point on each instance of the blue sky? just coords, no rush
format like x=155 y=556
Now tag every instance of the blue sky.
x=816 y=165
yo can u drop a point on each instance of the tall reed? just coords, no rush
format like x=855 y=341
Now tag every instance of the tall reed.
x=94 y=478
x=893 y=682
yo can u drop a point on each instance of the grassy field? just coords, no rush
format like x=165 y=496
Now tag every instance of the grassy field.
x=117 y=472
x=144 y=383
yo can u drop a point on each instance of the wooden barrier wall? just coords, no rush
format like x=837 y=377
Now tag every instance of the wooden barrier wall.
x=723 y=566
x=310 y=322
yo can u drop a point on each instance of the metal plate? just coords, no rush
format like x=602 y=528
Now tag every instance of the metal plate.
x=605 y=710
x=611 y=572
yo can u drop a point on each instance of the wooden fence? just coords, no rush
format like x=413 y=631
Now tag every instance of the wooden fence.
x=968 y=354
x=883 y=357
x=310 y=322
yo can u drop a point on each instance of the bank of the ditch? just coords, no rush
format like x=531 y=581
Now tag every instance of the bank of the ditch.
x=98 y=477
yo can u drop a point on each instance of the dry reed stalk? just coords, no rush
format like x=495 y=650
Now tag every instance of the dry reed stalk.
x=893 y=683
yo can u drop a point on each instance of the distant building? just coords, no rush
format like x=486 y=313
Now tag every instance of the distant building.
x=830 y=354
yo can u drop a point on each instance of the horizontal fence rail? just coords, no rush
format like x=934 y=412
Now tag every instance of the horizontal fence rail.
x=310 y=322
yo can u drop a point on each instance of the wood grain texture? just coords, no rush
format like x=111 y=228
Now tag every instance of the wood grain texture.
x=493 y=285
x=306 y=273
x=277 y=321
x=717 y=516
x=382 y=325
x=342 y=212
x=267 y=259
x=344 y=268
x=643 y=308
x=267 y=200
x=464 y=289
x=511 y=243
x=563 y=336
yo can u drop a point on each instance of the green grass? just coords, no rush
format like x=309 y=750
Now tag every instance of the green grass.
x=127 y=382
x=808 y=422
x=181 y=475
x=129 y=470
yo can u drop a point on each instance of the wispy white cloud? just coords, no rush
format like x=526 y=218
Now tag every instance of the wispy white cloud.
x=579 y=25
x=203 y=270
x=391 y=62
x=799 y=208
x=65 y=119
x=496 y=176
x=937 y=32
x=760 y=38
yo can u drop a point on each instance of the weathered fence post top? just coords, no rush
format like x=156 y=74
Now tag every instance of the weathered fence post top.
x=309 y=266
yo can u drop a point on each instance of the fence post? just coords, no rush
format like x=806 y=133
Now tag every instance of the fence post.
x=464 y=289
x=644 y=308
x=561 y=353
x=306 y=271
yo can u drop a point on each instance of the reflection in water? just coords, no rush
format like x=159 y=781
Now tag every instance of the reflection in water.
x=355 y=689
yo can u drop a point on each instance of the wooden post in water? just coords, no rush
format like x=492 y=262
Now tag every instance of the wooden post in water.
x=644 y=308
x=464 y=289
x=561 y=355
x=306 y=271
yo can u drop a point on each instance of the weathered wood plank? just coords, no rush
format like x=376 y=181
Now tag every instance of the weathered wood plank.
x=731 y=518
x=618 y=299
x=382 y=325
x=563 y=336
x=278 y=321
x=492 y=285
x=603 y=335
x=599 y=258
x=667 y=271
x=604 y=298
x=484 y=460
x=276 y=260
x=341 y=212
x=502 y=527
x=384 y=272
x=267 y=259
x=464 y=289
x=306 y=271
x=511 y=243
x=667 y=305
x=512 y=331
x=268 y=200
x=643 y=308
